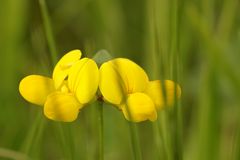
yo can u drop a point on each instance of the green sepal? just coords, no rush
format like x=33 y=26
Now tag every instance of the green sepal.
x=102 y=56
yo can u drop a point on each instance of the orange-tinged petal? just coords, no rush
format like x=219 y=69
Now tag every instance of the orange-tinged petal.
x=139 y=107
x=62 y=107
x=155 y=91
x=61 y=69
x=36 y=88
x=84 y=79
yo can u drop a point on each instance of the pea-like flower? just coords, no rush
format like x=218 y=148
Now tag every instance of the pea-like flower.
x=127 y=86
x=73 y=84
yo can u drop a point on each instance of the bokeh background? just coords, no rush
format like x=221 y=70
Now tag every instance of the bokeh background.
x=194 y=42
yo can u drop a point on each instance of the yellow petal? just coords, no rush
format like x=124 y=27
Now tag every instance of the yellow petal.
x=61 y=69
x=110 y=85
x=84 y=79
x=62 y=107
x=74 y=73
x=154 y=90
x=36 y=88
x=120 y=77
x=140 y=107
x=134 y=77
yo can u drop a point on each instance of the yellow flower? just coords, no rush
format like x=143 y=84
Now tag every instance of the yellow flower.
x=126 y=85
x=74 y=83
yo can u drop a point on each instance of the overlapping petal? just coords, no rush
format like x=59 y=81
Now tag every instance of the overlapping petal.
x=120 y=77
x=83 y=79
x=36 y=88
x=111 y=85
x=61 y=69
x=133 y=76
x=139 y=107
x=62 y=107
x=155 y=91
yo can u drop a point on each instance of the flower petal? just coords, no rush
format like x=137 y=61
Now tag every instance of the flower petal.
x=140 y=107
x=61 y=69
x=83 y=79
x=110 y=85
x=154 y=90
x=62 y=107
x=134 y=77
x=36 y=88
x=120 y=77
x=74 y=73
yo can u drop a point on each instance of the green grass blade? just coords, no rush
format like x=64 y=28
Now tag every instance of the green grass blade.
x=48 y=31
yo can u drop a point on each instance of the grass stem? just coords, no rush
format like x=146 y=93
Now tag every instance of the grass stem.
x=48 y=31
x=135 y=141
x=160 y=154
x=100 y=131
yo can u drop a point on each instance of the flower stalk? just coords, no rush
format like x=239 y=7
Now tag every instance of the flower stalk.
x=100 y=128
x=135 y=141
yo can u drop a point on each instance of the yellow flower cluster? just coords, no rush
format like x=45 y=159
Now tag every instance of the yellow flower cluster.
x=75 y=82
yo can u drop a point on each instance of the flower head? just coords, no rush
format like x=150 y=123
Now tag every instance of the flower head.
x=127 y=86
x=73 y=84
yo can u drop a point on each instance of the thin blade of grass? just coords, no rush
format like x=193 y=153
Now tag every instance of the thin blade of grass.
x=48 y=31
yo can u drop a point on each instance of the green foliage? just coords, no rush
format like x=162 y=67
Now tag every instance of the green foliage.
x=195 y=43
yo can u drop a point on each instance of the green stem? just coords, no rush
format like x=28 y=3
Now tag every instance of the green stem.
x=64 y=139
x=158 y=141
x=157 y=41
x=100 y=131
x=166 y=134
x=178 y=131
x=135 y=141
x=31 y=135
x=177 y=134
x=48 y=30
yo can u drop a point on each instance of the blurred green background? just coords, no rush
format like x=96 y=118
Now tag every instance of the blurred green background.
x=194 y=42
